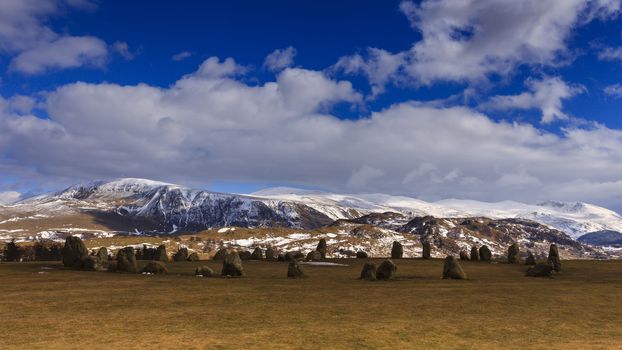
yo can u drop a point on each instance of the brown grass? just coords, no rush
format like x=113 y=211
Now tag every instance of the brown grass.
x=496 y=308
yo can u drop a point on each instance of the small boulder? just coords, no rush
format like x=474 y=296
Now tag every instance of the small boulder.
x=513 y=254
x=321 y=248
x=314 y=256
x=74 y=252
x=181 y=255
x=474 y=253
x=361 y=255
x=453 y=270
x=554 y=259
x=531 y=260
x=464 y=255
x=155 y=268
x=102 y=255
x=92 y=263
x=397 y=250
x=160 y=254
x=369 y=272
x=232 y=265
x=245 y=255
x=540 y=270
x=427 y=248
x=193 y=257
x=295 y=271
x=485 y=254
x=257 y=254
x=281 y=257
x=221 y=254
x=271 y=254
x=204 y=271
x=386 y=270
x=126 y=260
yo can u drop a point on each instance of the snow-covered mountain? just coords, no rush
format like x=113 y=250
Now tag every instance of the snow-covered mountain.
x=150 y=206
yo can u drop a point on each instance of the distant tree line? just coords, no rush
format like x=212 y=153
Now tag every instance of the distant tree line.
x=40 y=251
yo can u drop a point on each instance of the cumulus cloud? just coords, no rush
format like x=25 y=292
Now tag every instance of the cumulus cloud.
x=546 y=95
x=9 y=197
x=123 y=49
x=611 y=54
x=213 y=68
x=35 y=47
x=614 y=90
x=468 y=41
x=211 y=127
x=279 y=59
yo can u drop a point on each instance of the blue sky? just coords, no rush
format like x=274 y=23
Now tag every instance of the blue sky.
x=489 y=101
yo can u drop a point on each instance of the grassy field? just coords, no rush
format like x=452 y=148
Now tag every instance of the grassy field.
x=497 y=308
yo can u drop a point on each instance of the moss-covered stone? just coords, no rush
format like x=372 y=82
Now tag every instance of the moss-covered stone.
x=369 y=272
x=232 y=265
x=386 y=270
x=453 y=270
x=74 y=252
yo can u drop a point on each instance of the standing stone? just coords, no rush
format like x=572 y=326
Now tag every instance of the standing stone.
x=386 y=270
x=426 y=250
x=464 y=255
x=361 y=255
x=513 y=253
x=92 y=263
x=160 y=254
x=295 y=255
x=155 y=268
x=257 y=254
x=181 y=255
x=554 y=259
x=397 y=251
x=193 y=257
x=221 y=254
x=270 y=254
x=321 y=247
x=126 y=260
x=204 y=271
x=314 y=256
x=540 y=270
x=453 y=270
x=485 y=254
x=74 y=252
x=531 y=260
x=474 y=253
x=245 y=255
x=102 y=255
x=232 y=265
x=368 y=272
x=295 y=271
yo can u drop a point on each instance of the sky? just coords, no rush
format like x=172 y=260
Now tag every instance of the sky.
x=475 y=99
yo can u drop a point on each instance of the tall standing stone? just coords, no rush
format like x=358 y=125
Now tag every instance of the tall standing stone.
x=453 y=270
x=368 y=272
x=232 y=265
x=321 y=247
x=531 y=260
x=426 y=250
x=221 y=254
x=513 y=253
x=160 y=254
x=397 y=251
x=464 y=255
x=295 y=271
x=485 y=254
x=74 y=252
x=181 y=255
x=270 y=254
x=257 y=254
x=102 y=255
x=554 y=259
x=474 y=253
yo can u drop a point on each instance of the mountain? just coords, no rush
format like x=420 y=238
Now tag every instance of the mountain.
x=368 y=221
x=602 y=238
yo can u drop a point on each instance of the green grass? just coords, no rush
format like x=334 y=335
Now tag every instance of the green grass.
x=496 y=308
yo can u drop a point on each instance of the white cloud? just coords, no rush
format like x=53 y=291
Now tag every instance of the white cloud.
x=35 y=46
x=213 y=68
x=614 y=90
x=123 y=49
x=611 y=54
x=210 y=127
x=278 y=59
x=66 y=52
x=181 y=56
x=9 y=197
x=471 y=40
x=546 y=95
